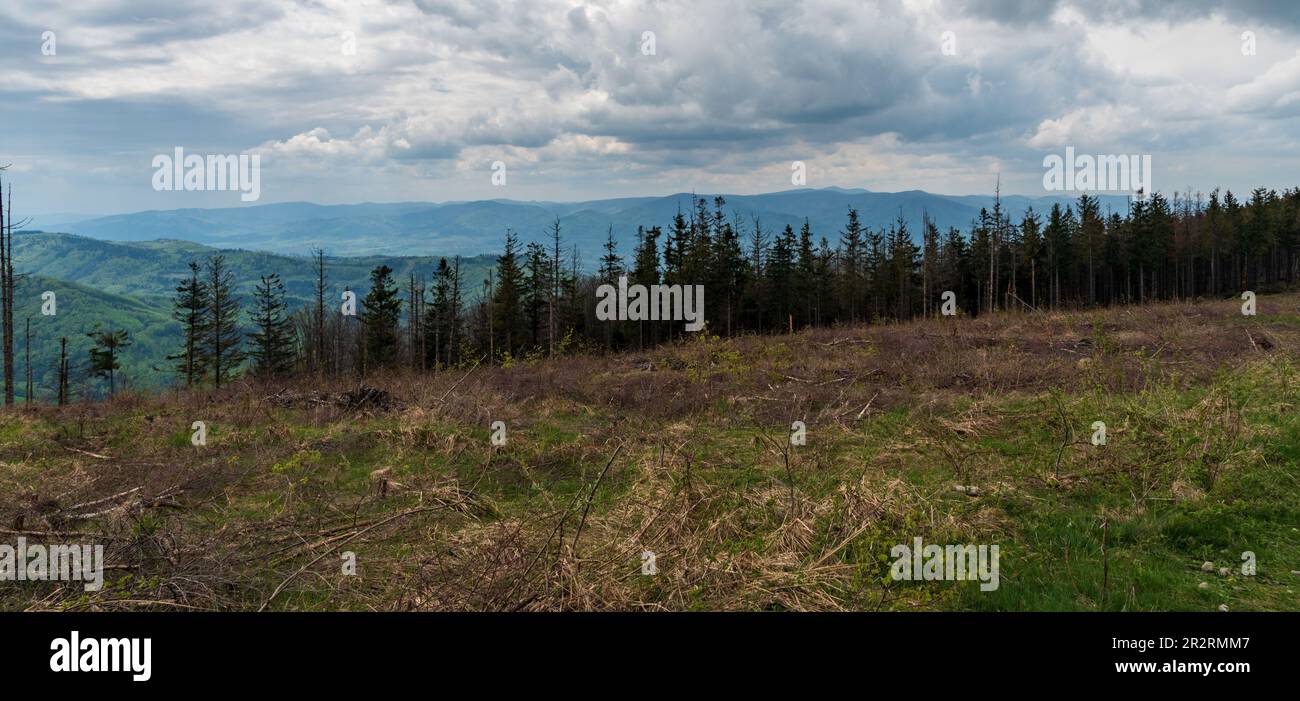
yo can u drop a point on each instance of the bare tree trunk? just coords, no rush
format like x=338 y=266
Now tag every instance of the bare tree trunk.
x=63 y=371
x=555 y=287
x=7 y=302
x=28 y=341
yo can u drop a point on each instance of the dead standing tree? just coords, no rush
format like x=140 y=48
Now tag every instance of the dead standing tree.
x=7 y=225
x=319 y=364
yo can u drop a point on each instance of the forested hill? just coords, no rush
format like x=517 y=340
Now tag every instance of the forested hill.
x=80 y=309
x=131 y=286
x=150 y=270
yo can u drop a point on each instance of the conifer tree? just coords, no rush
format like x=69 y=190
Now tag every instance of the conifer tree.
x=190 y=308
x=509 y=324
x=852 y=259
x=381 y=313
x=272 y=349
x=805 y=285
x=104 y=355
x=223 y=351
x=781 y=278
x=645 y=271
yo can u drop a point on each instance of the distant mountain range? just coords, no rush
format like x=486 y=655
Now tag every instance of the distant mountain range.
x=471 y=228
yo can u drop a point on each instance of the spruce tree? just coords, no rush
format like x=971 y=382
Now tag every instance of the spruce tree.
x=436 y=317
x=273 y=349
x=1032 y=241
x=221 y=327
x=852 y=268
x=611 y=264
x=381 y=311
x=104 y=354
x=645 y=271
x=781 y=278
x=508 y=322
x=611 y=268
x=191 y=310
x=805 y=285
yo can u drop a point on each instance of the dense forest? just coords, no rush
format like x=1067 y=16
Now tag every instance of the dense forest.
x=538 y=300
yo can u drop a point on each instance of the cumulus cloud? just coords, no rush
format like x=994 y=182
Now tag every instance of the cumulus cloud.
x=414 y=99
x=1276 y=92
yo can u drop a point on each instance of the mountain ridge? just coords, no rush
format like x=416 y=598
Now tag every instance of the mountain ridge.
x=478 y=227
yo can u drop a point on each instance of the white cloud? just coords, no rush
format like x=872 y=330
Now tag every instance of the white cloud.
x=1276 y=90
x=559 y=87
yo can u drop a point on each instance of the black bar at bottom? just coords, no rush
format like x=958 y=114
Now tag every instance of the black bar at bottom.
x=213 y=651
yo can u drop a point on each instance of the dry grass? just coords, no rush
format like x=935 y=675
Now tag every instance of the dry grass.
x=681 y=451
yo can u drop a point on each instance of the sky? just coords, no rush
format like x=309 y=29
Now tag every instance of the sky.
x=349 y=101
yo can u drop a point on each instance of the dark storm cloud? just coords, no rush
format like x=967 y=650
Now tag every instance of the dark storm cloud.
x=437 y=88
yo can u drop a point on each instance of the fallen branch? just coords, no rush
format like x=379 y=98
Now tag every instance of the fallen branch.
x=591 y=496
x=363 y=531
x=97 y=502
x=868 y=406
x=97 y=456
x=443 y=398
x=51 y=534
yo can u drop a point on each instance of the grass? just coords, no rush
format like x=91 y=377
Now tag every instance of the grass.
x=1201 y=463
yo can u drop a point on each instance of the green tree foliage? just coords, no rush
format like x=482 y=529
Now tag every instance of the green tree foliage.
x=442 y=322
x=273 y=344
x=104 y=354
x=1160 y=247
x=509 y=324
x=223 y=352
x=381 y=311
x=191 y=310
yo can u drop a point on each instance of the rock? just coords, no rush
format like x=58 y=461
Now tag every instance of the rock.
x=1223 y=608
x=1224 y=571
x=961 y=488
x=1207 y=566
x=973 y=490
x=1203 y=585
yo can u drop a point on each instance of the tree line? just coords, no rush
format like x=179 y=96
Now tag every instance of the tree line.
x=759 y=280
x=537 y=301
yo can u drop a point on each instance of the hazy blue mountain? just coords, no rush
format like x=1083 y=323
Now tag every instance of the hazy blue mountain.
x=53 y=221
x=470 y=228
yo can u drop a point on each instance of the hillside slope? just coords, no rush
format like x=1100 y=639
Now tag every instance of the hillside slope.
x=955 y=431
x=80 y=309
x=131 y=285
x=150 y=270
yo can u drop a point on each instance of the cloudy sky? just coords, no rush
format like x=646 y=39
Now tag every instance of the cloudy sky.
x=373 y=100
